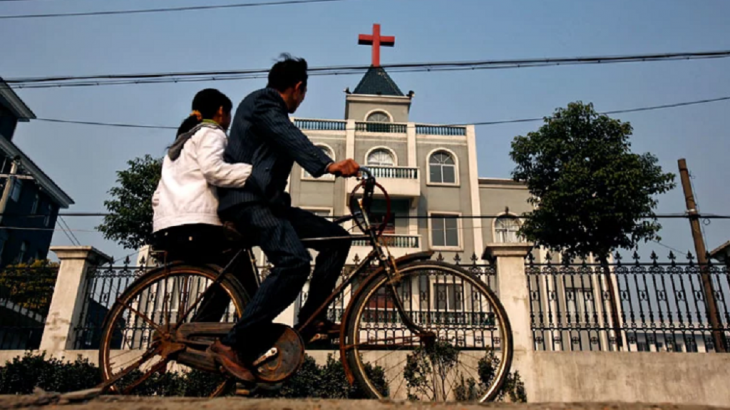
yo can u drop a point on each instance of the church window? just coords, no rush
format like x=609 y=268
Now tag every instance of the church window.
x=381 y=157
x=378 y=116
x=505 y=229
x=442 y=168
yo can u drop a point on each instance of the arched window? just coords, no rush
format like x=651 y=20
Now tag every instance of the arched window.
x=328 y=151
x=442 y=168
x=381 y=157
x=378 y=116
x=505 y=229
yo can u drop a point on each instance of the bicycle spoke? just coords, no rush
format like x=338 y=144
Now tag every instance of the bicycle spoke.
x=184 y=295
x=366 y=344
x=143 y=317
x=155 y=368
x=145 y=356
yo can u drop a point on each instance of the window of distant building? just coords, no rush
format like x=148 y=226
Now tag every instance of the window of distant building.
x=381 y=157
x=505 y=229
x=17 y=189
x=326 y=177
x=442 y=168
x=378 y=116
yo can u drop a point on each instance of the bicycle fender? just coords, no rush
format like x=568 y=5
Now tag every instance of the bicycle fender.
x=403 y=260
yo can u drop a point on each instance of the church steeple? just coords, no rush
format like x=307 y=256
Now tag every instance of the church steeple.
x=377 y=81
x=377 y=92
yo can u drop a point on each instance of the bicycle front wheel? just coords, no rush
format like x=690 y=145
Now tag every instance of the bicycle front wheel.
x=463 y=354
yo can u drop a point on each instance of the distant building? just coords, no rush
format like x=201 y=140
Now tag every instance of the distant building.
x=30 y=200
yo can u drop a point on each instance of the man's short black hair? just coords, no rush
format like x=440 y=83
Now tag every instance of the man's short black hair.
x=287 y=72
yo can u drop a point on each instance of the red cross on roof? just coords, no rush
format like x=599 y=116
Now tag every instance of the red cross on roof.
x=376 y=40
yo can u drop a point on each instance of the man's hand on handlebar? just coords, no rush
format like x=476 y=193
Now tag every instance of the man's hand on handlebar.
x=346 y=168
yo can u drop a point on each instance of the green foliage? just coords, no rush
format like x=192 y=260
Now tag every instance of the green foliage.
x=327 y=382
x=593 y=194
x=130 y=207
x=432 y=374
x=427 y=370
x=512 y=388
x=22 y=375
x=30 y=285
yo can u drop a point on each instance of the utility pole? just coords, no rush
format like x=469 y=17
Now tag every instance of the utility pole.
x=8 y=187
x=713 y=315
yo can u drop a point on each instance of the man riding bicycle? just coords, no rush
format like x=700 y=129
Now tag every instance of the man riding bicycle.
x=263 y=135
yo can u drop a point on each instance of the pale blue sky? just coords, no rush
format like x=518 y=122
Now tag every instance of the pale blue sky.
x=83 y=159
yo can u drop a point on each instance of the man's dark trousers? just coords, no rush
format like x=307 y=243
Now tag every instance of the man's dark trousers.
x=279 y=231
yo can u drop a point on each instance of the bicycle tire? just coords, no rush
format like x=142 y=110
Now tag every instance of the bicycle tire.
x=230 y=285
x=358 y=304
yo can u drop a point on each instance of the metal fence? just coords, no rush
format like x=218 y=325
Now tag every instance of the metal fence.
x=103 y=286
x=439 y=302
x=635 y=306
x=25 y=298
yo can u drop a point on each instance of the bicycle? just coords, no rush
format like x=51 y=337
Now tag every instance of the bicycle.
x=424 y=314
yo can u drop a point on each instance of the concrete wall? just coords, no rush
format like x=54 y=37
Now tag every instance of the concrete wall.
x=677 y=378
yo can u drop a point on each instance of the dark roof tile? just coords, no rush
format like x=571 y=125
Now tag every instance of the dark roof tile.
x=377 y=82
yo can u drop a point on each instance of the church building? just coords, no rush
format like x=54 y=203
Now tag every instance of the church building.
x=429 y=171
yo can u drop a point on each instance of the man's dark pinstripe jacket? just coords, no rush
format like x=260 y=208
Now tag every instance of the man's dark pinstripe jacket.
x=263 y=135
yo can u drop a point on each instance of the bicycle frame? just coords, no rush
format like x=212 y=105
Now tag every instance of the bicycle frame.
x=380 y=252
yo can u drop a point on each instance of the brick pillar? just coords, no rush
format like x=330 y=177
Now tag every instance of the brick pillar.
x=68 y=295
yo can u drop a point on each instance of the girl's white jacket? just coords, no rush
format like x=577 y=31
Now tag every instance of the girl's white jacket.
x=186 y=193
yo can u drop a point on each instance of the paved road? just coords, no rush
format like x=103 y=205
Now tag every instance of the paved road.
x=152 y=403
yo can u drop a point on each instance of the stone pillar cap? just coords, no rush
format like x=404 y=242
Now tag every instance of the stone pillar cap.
x=89 y=253
x=493 y=250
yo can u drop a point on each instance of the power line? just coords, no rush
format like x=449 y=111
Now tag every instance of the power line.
x=70 y=233
x=173 y=77
x=628 y=110
x=660 y=216
x=165 y=9
x=482 y=123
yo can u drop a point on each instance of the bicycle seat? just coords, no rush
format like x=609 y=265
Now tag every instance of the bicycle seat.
x=232 y=235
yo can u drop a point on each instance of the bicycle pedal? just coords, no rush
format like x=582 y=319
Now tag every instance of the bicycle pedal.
x=243 y=392
x=318 y=337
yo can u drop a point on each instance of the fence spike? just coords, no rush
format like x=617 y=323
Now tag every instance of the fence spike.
x=457 y=258
x=654 y=258
x=440 y=258
x=530 y=258
x=474 y=258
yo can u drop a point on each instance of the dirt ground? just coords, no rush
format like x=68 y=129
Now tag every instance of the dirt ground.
x=49 y=401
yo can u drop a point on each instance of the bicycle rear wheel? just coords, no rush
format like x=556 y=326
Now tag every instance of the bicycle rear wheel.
x=464 y=355
x=136 y=335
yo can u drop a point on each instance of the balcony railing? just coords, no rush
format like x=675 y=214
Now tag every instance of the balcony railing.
x=394 y=172
x=320 y=125
x=383 y=127
x=394 y=241
x=440 y=130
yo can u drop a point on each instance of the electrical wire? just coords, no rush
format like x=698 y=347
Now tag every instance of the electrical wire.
x=174 y=77
x=481 y=123
x=165 y=9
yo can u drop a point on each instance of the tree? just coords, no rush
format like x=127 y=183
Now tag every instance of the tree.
x=593 y=195
x=130 y=219
x=30 y=285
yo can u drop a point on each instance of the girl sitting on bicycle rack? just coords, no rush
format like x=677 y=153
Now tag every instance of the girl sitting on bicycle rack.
x=185 y=203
